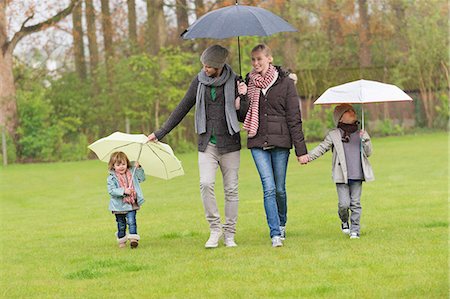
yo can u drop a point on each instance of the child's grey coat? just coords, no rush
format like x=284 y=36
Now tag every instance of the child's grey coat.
x=339 y=165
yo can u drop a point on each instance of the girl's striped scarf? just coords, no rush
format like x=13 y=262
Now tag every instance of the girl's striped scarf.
x=125 y=181
x=255 y=84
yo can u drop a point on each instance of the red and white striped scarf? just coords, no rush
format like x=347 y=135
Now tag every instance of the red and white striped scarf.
x=255 y=84
x=123 y=180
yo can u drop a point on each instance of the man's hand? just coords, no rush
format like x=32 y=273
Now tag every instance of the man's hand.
x=152 y=137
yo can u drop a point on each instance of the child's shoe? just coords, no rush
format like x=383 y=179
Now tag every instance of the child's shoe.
x=354 y=235
x=345 y=228
x=134 y=240
x=276 y=241
x=122 y=241
x=283 y=232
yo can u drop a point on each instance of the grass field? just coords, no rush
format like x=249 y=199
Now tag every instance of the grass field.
x=58 y=240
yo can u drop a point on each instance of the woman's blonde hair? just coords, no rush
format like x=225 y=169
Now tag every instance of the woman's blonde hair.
x=264 y=48
x=118 y=157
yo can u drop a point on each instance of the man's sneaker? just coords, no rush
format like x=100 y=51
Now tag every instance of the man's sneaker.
x=276 y=241
x=345 y=228
x=283 y=232
x=229 y=241
x=214 y=238
x=354 y=235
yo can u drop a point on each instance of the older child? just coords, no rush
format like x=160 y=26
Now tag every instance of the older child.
x=126 y=196
x=350 y=166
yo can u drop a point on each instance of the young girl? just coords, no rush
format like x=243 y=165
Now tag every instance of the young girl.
x=126 y=196
x=350 y=165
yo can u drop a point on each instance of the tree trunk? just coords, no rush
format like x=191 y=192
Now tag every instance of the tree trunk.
x=92 y=38
x=365 y=57
x=199 y=8
x=8 y=110
x=78 y=44
x=132 y=31
x=182 y=16
x=156 y=35
x=399 y=25
x=108 y=40
x=334 y=32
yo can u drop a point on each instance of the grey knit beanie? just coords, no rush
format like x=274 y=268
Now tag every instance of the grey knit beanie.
x=214 y=56
x=339 y=111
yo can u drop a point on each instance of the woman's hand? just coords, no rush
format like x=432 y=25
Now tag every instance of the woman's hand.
x=242 y=88
x=303 y=159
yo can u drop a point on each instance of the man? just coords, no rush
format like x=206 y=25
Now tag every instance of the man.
x=214 y=94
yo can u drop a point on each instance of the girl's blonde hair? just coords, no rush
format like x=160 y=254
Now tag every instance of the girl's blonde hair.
x=264 y=48
x=118 y=157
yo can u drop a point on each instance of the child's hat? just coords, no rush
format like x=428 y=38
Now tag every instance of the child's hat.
x=339 y=111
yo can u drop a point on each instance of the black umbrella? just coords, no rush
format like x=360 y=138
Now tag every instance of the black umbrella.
x=237 y=20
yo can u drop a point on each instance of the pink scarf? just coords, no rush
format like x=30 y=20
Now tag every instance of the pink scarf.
x=123 y=179
x=255 y=84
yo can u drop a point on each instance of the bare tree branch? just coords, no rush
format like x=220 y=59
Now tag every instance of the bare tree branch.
x=25 y=30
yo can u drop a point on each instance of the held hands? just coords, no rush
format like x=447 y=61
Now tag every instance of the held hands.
x=136 y=164
x=303 y=159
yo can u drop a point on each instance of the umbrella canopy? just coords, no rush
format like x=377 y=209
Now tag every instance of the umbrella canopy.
x=235 y=21
x=156 y=158
x=362 y=91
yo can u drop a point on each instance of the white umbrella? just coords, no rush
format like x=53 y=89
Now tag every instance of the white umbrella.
x=362 y=91
x=156 y=158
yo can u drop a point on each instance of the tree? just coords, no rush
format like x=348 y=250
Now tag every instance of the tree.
x=365 y=58
x=132 y=31
x=107 y=40
x=8 y=105
x=182 y=16
x=78 y=44
x=92 y=38
x=155 y=26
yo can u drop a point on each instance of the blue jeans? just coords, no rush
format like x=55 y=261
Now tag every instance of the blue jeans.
x=122 y=221
x=272 y=166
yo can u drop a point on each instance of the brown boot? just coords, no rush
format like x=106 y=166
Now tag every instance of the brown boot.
x=134 y=240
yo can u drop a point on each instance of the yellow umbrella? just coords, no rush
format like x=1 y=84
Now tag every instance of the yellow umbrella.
x=156 y=158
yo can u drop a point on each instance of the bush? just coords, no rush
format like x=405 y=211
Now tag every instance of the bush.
x=387 y=128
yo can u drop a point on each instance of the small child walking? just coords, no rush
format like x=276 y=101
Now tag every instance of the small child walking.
x=126 y=196
x=350 y=165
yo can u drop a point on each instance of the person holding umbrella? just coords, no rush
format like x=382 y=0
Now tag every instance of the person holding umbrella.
x=124 y=188
x=350 y=165
x=274 y=124
x=213 y=91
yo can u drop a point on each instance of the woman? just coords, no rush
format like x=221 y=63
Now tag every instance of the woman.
x=274 y=124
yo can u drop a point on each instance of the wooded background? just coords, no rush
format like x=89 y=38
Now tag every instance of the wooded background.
x=125 y=67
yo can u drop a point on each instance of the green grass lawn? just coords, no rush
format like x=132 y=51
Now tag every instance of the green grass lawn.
x=58 y=239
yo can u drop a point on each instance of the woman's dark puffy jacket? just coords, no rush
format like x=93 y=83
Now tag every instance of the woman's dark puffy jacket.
x=280 y=122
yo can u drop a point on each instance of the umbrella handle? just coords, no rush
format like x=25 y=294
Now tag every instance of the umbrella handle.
x=239 y=55
x=134 y=170
x=362 y=116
